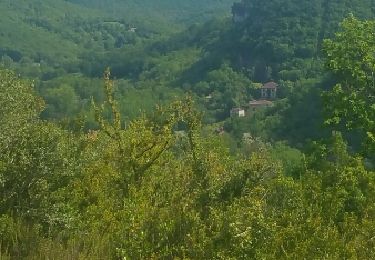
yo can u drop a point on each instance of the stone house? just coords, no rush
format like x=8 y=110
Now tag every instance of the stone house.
x=237 y=112
x=269 y=90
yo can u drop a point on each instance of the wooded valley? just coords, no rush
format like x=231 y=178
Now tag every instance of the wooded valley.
x=210 y=129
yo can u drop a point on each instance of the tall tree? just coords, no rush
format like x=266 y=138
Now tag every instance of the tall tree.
x=351 y=58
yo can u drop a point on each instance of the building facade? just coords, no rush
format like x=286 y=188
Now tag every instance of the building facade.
x=269 y=90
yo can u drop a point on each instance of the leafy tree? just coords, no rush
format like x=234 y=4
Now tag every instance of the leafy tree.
x=35 y=156
x=350 y=57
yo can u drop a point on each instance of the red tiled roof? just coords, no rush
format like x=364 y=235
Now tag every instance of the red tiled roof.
x=270 y=84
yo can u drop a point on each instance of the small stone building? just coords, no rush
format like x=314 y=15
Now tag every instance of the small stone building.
x=269 y=90
x=237 y=112
x=132 y=29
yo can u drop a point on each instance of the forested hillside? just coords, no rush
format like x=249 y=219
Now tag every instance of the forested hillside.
x=177 y=130
x=59 y=33
x=281 y=33
x=162 y=11
x=279 y=40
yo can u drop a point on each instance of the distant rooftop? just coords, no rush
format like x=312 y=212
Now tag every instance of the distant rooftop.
x=237 y=109
x=260 y=102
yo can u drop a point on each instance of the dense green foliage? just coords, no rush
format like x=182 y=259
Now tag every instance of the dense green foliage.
x=161 y=11
x=88 y=172
x=59 y=34
x=143 y=192
x=352 y=102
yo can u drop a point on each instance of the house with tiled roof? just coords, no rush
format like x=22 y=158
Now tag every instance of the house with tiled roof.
x=269 y=90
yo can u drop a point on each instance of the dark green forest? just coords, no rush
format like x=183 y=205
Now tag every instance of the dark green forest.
x=187 y=129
